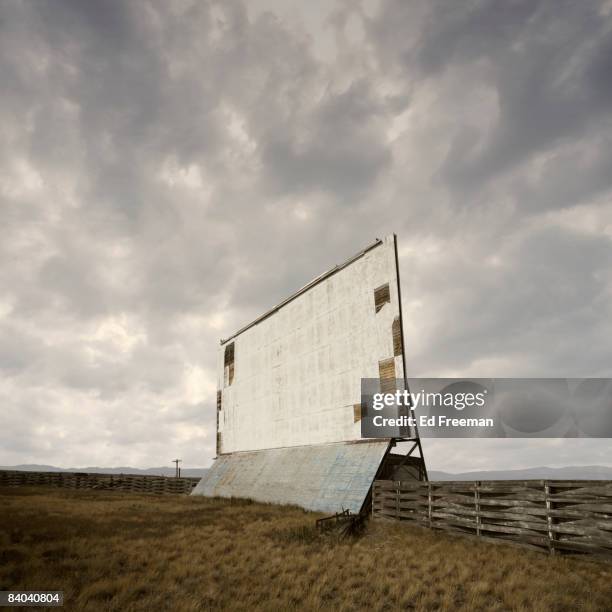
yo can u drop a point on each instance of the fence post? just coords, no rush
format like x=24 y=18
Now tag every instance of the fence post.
x=477 y=506
x=397 y=500
x=373 y=495
x=429 y=504
x=549 y=519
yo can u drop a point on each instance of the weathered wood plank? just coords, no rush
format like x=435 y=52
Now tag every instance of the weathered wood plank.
x=554 y=515
x=135 y=483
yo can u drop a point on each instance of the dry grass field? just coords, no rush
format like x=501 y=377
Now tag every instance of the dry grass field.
x=118 y=551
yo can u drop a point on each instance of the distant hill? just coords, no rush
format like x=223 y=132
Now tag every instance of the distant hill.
x=583 y=472
x=155 y=471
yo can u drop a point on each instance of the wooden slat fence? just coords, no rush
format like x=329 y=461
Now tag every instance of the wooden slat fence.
x=552 y=515
x=157 y=485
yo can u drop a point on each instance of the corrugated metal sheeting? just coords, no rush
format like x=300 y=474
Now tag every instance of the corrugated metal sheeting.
x=326 y=478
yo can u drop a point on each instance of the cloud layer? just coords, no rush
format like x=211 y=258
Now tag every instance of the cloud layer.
x=170 y=169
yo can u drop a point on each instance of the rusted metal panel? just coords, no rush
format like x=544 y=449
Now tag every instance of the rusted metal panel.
x=325 y=478
x=381 y=297
x=396 y=330
x=386 y=373
x=219 y=406
x=228 y=364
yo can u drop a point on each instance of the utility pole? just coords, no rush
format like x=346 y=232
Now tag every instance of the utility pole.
x=178 y=469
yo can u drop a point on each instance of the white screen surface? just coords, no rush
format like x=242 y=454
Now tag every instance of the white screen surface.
x=295 y=375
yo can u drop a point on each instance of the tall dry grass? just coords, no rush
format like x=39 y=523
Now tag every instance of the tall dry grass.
x=118 y=551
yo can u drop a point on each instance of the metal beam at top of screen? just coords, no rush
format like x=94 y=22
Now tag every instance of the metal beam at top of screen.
x=305 y=288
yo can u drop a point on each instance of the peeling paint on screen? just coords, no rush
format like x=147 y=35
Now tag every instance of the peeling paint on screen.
x=228 y=364
x=381 y=297
x=386 y=374
x=357 y=413
x=396 y=330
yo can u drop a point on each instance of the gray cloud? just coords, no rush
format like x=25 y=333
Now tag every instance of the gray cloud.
x=168 y=170
x=544 y=62
x=338 y=146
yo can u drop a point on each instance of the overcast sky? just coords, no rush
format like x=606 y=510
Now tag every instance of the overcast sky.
x=168 y=170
